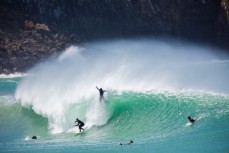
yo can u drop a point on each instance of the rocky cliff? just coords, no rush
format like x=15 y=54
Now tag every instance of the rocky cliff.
x=40 y=28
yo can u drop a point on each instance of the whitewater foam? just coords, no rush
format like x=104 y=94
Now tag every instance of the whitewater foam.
x=64 y=89
x=13 y=75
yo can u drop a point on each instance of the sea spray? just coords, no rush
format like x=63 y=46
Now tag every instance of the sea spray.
x=97 y=114
x=64 y=88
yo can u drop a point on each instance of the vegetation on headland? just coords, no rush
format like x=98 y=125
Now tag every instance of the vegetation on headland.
x=31 y=31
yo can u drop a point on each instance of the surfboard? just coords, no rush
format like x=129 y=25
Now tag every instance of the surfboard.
x=80 y=133
x=188 y=124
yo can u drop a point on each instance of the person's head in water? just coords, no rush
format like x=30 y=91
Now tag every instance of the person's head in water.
x=131 y=141
x=34 y=137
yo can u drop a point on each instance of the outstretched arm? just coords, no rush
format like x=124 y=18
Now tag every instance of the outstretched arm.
x=97 y=87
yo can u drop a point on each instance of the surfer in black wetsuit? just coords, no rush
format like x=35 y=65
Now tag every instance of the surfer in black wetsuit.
x=191 y=119
x=34 y=137
x=101 y=91
x=129 y=143
x=80 y=124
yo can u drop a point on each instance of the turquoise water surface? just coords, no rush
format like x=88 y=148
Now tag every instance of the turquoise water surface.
x=146 y=103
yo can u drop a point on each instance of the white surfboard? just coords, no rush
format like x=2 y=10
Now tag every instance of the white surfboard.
x=80 y=133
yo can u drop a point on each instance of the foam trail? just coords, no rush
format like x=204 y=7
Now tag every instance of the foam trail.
x=64 y=89
x=15 y=75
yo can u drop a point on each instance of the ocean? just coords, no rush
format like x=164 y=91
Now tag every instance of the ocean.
x=152 y=86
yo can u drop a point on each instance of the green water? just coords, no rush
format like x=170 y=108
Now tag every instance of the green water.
x=155 y=121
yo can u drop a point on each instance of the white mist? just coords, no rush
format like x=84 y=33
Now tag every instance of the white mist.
x=64 y=88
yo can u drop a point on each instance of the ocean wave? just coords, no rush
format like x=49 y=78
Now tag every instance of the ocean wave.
x=13 y=75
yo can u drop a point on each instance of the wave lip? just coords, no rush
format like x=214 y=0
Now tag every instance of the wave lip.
x=64 y=88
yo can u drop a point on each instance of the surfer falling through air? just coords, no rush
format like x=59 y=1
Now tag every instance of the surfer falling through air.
x=101 y=91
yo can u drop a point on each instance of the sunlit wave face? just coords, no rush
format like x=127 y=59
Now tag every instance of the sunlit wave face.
x=134 y=65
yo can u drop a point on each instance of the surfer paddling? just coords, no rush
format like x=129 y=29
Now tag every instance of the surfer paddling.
x=129 y=143
x=80 y=124
x=191 y=119
x=101 y=91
